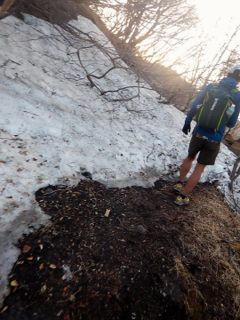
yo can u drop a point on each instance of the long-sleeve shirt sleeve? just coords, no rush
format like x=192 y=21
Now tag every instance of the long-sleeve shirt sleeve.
x=234 y=118
x=195 y=104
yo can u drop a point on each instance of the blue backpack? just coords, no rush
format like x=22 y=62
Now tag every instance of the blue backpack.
x=216 y=109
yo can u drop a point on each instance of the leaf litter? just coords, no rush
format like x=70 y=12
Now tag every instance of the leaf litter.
x=128 y=253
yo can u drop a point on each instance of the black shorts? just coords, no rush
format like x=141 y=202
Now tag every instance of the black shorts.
x=208 y=150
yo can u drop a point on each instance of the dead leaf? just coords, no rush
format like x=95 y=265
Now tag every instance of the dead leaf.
x=44 y=288
x=4 y=309
x=26 y=248
x=30 y=258
x=52 y=266
x=65 y=290
x=23 y=152
x=41 y=246
x=107 y=213
x=59 y=313
x=77 y=193
x=235 y=246
x=14 y=283
x=41 y=267
x=72 y=298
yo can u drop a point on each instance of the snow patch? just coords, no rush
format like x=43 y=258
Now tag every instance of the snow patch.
x=54 y=124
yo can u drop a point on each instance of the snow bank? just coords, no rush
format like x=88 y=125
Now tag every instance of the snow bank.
x=54 y=125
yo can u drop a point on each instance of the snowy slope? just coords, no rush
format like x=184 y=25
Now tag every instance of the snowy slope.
x=54 y=125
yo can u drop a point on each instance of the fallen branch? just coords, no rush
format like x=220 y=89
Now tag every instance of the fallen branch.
x=125 y=88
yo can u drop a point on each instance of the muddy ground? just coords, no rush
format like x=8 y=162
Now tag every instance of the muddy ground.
x=128 y=254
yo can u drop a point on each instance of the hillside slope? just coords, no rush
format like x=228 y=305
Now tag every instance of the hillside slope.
x=128 y=253
x=70 y=105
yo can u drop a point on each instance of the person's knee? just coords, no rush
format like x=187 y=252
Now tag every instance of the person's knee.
x=191 y=158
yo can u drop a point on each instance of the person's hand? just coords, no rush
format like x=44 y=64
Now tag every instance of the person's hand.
x=186 y=128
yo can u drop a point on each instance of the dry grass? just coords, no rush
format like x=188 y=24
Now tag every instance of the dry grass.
x=211 y=246
x=181 y=263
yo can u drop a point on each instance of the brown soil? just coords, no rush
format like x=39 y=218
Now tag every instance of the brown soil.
x=128 y=254
x=57 y=11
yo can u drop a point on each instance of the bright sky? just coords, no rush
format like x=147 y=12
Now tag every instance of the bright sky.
x=218 y=21
x=212 y=11
x=218 y=18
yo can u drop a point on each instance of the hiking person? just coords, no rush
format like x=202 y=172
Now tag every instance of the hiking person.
x=216 y=107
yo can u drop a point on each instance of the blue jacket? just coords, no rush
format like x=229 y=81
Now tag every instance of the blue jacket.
x=229 y=83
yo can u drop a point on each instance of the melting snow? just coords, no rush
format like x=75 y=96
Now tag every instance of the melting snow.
x=54 y=125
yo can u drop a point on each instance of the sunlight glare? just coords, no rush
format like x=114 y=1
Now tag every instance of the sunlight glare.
x=214 y=12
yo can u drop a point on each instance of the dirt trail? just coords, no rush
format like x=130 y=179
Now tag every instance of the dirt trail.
x=128 y=254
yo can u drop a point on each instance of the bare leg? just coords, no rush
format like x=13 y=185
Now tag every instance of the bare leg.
x=185 y=167
x=193 y=179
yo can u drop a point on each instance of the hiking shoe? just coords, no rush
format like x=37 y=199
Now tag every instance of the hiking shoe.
x=178 y=186
x=182 y=200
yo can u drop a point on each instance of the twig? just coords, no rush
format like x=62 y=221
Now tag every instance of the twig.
x=11 y=139
x=125 y=88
